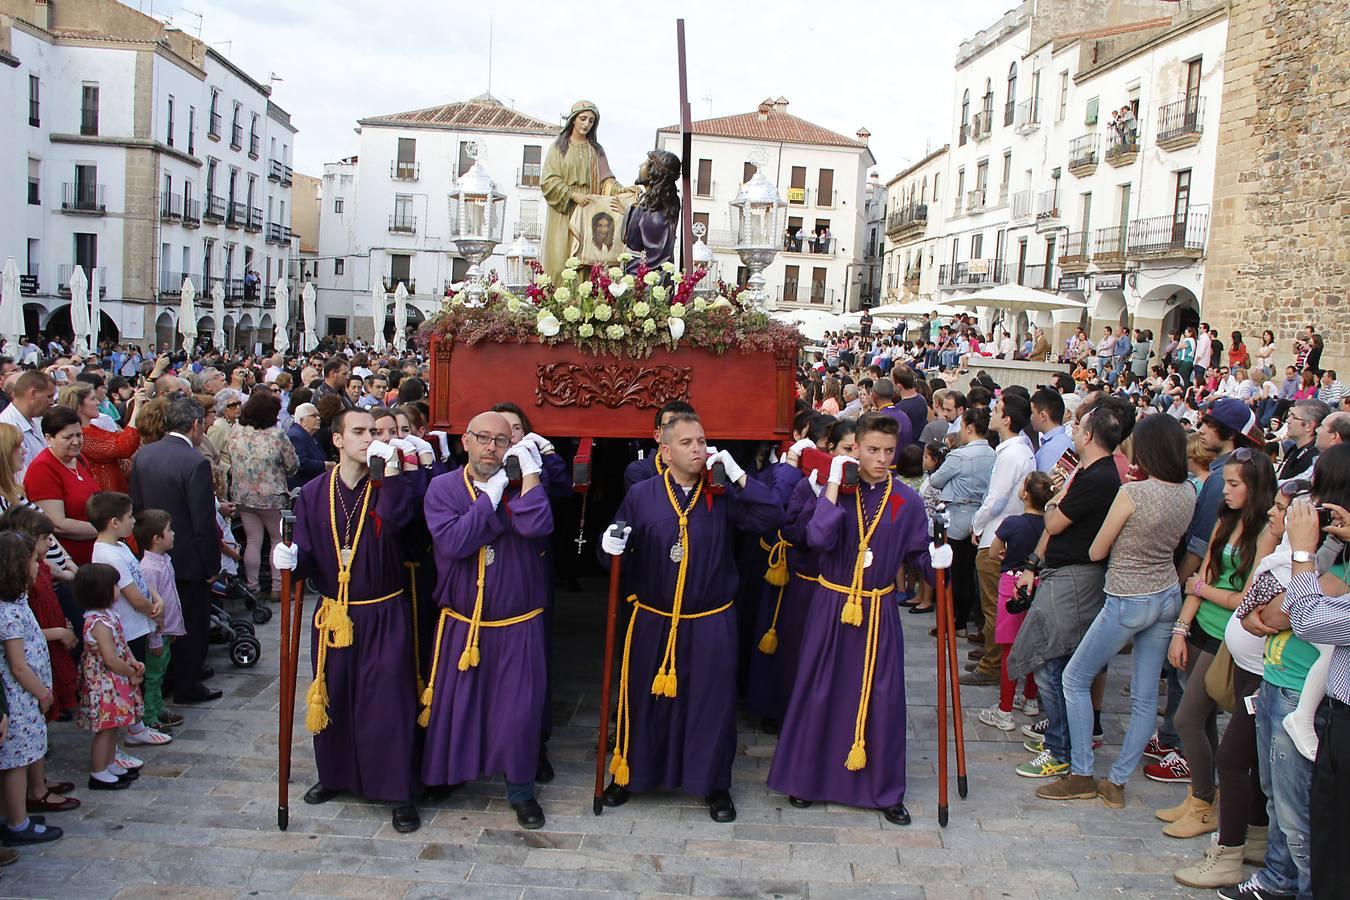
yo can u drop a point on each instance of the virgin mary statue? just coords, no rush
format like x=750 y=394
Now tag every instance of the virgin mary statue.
x=574 y=169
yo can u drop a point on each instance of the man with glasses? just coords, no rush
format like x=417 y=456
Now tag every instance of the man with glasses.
x=1303 y=421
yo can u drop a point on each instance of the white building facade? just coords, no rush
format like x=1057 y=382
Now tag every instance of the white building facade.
x=144 y=157
x=385 y=214
x=914 y=229
x=823 y=177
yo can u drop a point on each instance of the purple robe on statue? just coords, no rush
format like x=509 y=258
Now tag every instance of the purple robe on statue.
x=818 y=731
x=486 y=719
x=367 y=748
x=686 y=742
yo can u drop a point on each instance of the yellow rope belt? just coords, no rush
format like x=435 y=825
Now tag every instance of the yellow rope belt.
x=417 y=645
x=424 y=717
x=857 y=755
x=776 y=574
x=316 y=701
x=665 y=682
x=618 y=766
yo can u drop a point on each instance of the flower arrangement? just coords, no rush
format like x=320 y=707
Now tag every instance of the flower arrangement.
x=609 y=312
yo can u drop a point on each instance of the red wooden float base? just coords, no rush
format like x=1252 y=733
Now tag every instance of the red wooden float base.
x=739 y=396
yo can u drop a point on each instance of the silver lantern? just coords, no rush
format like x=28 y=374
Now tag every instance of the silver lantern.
x=704 y=259
x=758 y=213
x=519 y=255
x=477 y=220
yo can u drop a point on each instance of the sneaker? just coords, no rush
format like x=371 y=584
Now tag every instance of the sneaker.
x=1019 y=702
x=1098 y=736
x=998 y=718
x=1036 y=731
x=1156 y=750
x=1172 y=769
x=1043 y=766
x=1251 y=890
x=1031 y=707
x=1033 y=745
x=127 y=761
x=147 y=736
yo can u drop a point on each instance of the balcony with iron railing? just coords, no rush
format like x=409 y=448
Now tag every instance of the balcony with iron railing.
x=1177 y=236
x=401 y=223
x=1083 y=154
x=63 y=274
x=1181 y=122
x=1038 y=276
x=171 y=283
x=213 y=127
x=813 y=294
x=391 y=283
x=529 y=174
x=89 y=120
x=279 y=171
x=236 y=137
x=975 y=200
x=276 y=234
x=705 y=189
x=238 y=215
x=531 y=229
x=253 y=144
x=192 y=212
x=1009 y=112
x=907 y=220
x=1028 y=117
x=1047 y=210
x=1023 y=204
x=982 y=125
x=824 y=199
x=809 y=243
x=83 y=197
x=405 y=170
x=1122 y=146
x=255 y=219
x=216 y=207
x=1075 y=251
x=970 y=274
x=1108 y=246
x=171 y=206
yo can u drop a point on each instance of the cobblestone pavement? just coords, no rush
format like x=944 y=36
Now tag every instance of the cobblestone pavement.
x=201 y=822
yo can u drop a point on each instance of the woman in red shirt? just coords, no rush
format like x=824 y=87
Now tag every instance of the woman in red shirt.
x=60 y=482
x=106 y=451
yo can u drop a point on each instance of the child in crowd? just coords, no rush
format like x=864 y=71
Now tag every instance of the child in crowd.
x=27 y=676
x=109 y=677
x=1013 y=542
x=136 y=608
x=154 y=535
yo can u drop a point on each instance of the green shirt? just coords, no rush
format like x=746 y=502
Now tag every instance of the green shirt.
x=1211 y=617
x=1288 y=658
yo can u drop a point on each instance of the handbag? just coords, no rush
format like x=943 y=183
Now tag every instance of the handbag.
x=1219 y=680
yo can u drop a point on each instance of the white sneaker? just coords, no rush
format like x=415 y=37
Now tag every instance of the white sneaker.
x=998 y=718
x=126 y=760
x=1302 y=733
x=148 y=736
x=1019 y=701
x=1032 y=707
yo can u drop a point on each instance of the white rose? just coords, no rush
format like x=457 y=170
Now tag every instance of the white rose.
x=602 y=312
x=676 y=328
x=651 y=278
x=571 y=313
x=659 y=293
x=677 y=310
x=586 y=331
x=571 y=263
x=614 y=332
x=615 y=273
x=649 y=326
x=668 y=267
x=562 y=294
x=624 y=257
x=584 y=289
x=548 y=325
x=542 y=280
x=513 y=304
x=700 y=304
x=640 y=309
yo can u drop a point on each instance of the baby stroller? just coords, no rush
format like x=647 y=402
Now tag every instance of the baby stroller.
x=237 y=632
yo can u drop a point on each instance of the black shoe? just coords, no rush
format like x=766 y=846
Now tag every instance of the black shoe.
x=897 y=814
x=406 y=819
x=799 y=802
x=1250 y=890
x=118 y=785
x=528 y=814
x=920 y=610
x=438 y=793
x=319 y=794
x=129 y=775
x=544 y=773
x=720 y=807
x=31 y=835
x=207 y=674
x=197 y=694
x=615 y=795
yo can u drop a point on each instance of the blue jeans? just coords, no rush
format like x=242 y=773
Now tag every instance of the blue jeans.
x=519 y=793
x=1286 y=778
x=1147 y=620
x=1167 y=731
x=1050 y=683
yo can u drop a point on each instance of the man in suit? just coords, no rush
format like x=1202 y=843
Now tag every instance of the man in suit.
x=172 y=474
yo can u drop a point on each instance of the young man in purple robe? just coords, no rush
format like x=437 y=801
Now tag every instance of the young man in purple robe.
x=361 y=705
x=484 y=704
x=677 y=685
x=652 y=465
x=843 y=738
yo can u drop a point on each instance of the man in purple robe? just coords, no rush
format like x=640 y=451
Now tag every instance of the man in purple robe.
x=484 y=704
x=361 y=704
x=843 y=738
x=677 y=693
x=651 y=465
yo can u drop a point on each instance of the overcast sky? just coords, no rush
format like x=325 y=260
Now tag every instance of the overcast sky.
x=842 y=64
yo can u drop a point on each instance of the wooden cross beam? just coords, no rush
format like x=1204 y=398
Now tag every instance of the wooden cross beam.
x=686 y=153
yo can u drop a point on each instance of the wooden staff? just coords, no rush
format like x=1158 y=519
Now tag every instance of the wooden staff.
x=292 y=602
x=607 y=679
x=958 y=726
x=941 y=598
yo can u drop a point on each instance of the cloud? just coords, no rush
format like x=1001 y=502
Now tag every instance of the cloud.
x=843 y=64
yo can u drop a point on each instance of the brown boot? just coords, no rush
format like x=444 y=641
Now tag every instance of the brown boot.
x=1201 y=818
x=1069 y=787
x=1112 y=794
x=1221 y=867
x=1172 y=813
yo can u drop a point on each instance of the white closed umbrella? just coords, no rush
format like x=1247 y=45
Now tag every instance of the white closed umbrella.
x=95 y=308
x=1016 y=298
x=282 y=342
x=11 y=305
x=377 y=302
x=813 y=323
x=79 y=310
x=187 y=315
x=400 y=318
x=218 y=315
x=309 y=299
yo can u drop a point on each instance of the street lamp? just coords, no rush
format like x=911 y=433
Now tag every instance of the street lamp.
x=759 y=224
x=519 y=256
x=704 y=259
x=477 y=217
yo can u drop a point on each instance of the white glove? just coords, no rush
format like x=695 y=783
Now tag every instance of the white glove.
x=734 y=470
x=540 y=442
x=837 y=469
x=941 y=556
x=285 y=557
x=816 y=486
x=529 y=463
x=381 y=450
x=402 y=445
x=794 y=453
x=494 y=487
x=424 y=452
x=615 y=545
x=443 y=440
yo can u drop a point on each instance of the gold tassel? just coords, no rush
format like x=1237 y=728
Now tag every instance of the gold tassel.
x=618 y=767
x=316 y=703
x=659 y=682
x=424 y=717
x=427 y=694
x=768 y=644
x=777 y=574
x=851 y=614
x=857 y=757
x=466 y=659
x=342 y=628
x=671 y=684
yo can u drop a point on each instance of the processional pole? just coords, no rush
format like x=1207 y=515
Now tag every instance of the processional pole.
x=686 y=152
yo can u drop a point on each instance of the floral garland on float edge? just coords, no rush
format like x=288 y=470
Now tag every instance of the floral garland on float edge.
x=607 y=312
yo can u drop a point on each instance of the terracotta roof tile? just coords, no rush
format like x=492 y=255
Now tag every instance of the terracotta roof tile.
x=481 y=113
x=774 y=124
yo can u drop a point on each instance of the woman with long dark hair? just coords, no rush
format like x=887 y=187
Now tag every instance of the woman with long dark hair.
x=575 y=168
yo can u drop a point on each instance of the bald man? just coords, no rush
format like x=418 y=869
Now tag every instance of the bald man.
x=484 y=704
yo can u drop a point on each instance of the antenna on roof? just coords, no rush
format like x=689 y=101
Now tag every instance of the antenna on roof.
x=489 y=83
x=707 y=98
x=193 y=12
